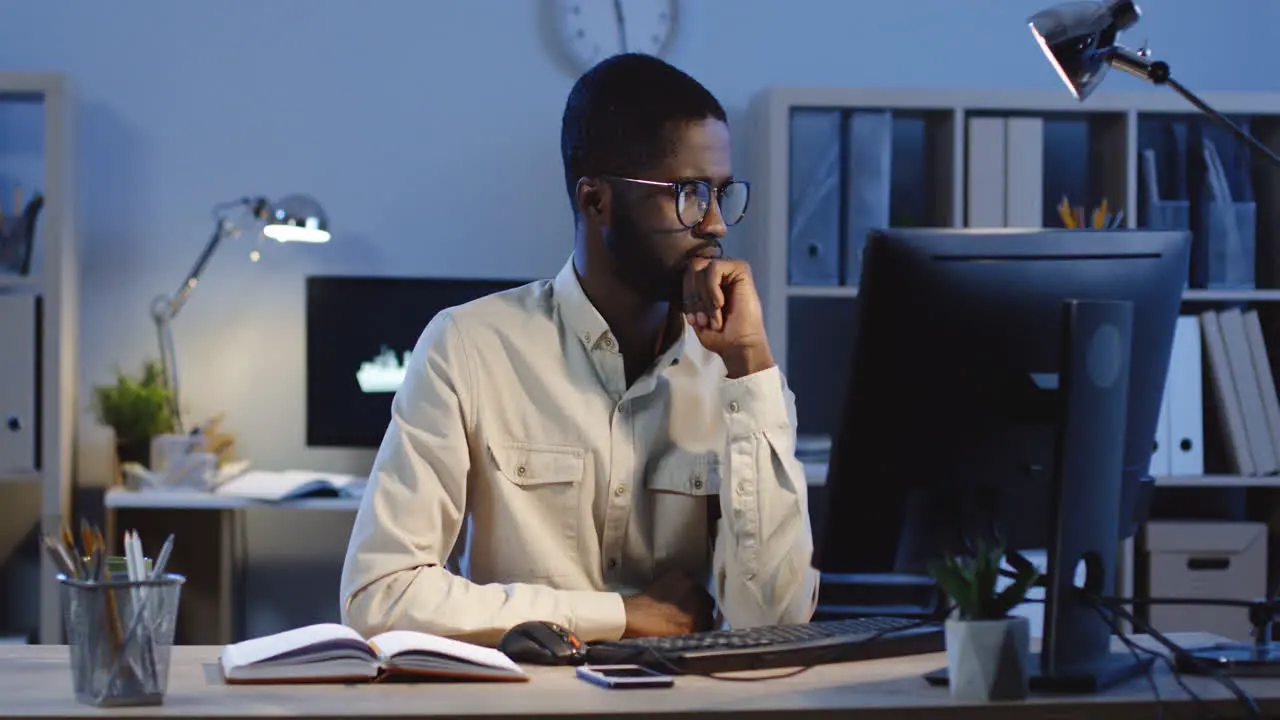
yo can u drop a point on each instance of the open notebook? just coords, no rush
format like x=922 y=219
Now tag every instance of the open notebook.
x=329 y=652
x=275 y=486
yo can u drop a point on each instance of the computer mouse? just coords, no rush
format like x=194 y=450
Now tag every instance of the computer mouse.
x=539 y=642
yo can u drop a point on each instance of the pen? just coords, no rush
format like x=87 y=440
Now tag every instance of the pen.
x=1064 y=212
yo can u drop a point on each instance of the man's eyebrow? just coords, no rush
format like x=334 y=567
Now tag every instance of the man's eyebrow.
x=704 y=178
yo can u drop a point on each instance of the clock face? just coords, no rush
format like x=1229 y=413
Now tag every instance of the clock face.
x=592 y=30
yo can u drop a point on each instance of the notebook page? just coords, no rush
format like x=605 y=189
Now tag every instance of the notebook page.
x=394 y=642
x=267 y=647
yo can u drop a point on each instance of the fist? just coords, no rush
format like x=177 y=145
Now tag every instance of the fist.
x=674 y=605
x=721 y=303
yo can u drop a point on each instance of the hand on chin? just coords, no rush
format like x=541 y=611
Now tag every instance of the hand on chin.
x=722 y=306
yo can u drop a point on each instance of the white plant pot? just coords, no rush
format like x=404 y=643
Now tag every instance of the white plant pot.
x=988 y=660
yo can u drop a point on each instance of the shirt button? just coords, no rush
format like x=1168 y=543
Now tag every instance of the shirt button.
x=733 y=406
x=697 y=483
x=586 y=337
x=521 y=471
x=620 y=490
x=608 y=341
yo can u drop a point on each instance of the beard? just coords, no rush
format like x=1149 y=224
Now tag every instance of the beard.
x=638 y=263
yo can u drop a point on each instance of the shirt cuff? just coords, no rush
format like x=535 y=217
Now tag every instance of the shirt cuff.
x=756 y=402
x=597 y=616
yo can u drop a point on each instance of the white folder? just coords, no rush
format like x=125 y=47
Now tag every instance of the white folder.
x=1185 y=396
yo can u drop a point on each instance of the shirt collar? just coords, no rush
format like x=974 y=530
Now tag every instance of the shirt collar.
x=586 y=323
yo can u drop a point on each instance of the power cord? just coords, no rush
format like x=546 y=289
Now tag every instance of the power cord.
x=1179 y=653
x=1136 y=650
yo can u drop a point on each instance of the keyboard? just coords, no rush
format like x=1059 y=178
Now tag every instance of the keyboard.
x=815 y=643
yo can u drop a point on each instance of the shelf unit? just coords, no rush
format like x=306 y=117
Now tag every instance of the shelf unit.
x=53 y=284
x=799 y=316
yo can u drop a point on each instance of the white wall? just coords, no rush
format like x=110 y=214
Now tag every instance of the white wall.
x=429 y=129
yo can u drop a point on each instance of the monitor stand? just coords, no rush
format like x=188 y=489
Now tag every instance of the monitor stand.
x=1085 y=499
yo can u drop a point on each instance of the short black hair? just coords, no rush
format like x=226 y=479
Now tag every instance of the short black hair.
x=618 y=113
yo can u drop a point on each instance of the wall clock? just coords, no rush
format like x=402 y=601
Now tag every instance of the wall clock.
x=589 y=31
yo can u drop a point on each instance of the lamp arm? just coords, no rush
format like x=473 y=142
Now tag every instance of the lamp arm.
x=1222 y=120
x=1136 y=64
x=166 y=307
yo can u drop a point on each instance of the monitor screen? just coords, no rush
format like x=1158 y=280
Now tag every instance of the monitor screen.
x=360 y=332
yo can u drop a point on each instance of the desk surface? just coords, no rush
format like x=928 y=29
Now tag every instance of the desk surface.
x=120 y=498
x=35 y=682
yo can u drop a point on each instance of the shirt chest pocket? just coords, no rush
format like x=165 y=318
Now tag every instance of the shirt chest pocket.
x=683 y=490
x=686 y=473
x=531 y=465
x=535 y=503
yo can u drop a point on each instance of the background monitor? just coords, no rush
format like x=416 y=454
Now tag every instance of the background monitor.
x=948 y=429
x=360 y=331
x=1005 y=385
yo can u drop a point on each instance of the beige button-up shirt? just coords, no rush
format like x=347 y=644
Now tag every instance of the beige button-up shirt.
x=515 y=424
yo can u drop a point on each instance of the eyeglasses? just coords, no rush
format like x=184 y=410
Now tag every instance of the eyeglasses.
x=693 y=199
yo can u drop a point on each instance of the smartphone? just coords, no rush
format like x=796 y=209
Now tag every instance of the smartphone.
x=624 y=676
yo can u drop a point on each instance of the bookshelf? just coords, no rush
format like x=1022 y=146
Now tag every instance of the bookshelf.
x=1053 y=146
x=37 y=459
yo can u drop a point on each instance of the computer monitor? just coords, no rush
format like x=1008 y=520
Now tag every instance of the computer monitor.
x=1007 y=383
x=360 y=331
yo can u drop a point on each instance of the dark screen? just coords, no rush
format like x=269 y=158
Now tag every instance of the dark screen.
x=359 y=329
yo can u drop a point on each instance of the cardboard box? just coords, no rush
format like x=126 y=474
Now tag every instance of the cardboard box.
x=1205 y=560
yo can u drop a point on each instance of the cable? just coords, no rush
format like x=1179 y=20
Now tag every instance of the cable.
x=1179 y=653
x=1134 y=649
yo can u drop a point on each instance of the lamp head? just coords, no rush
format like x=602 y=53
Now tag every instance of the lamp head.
x=293 y=218
x=1079 y=38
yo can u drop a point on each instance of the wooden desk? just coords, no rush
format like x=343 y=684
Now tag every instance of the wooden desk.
x=36 y=681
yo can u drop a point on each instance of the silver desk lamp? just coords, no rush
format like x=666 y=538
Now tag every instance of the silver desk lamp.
x=294 y=218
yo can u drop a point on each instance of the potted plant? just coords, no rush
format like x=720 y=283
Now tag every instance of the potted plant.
x=988 y=651
x=137 y=409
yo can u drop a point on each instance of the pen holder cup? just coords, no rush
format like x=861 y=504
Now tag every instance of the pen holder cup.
x=1168 y=215
x=15 y=245
x=1231 y=255
x=120 y=635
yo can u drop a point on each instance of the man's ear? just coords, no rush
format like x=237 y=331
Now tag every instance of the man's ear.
x=593 y=198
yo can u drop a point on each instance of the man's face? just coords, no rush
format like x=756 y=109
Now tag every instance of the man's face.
x=650 y=245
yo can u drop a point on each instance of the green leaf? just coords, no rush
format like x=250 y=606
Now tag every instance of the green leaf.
x=971 y=582
x=136 y=408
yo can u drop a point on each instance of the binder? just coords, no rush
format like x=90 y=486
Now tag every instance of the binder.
x=1024 y=172
x=1225 y=398
x=1184 y=395
x=985 y=172
x=1240 y=360
x=18 y=359
x=868 y=181
x=813 y=231
x=1160 y=448
x=1266 y=382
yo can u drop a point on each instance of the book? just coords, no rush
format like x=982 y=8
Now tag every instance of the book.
x=275 y=486
x=329 y=652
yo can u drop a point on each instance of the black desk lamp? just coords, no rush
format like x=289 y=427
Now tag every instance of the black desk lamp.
x=1079 y=38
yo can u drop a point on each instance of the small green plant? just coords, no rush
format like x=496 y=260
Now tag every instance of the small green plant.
x=970 y=582
x=137 y=408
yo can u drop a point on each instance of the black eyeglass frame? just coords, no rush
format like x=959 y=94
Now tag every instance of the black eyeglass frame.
x=715 y=193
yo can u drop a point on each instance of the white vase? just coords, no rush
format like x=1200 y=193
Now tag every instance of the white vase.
x=988 y=659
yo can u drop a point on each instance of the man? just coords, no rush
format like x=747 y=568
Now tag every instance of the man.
x=618 y=438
